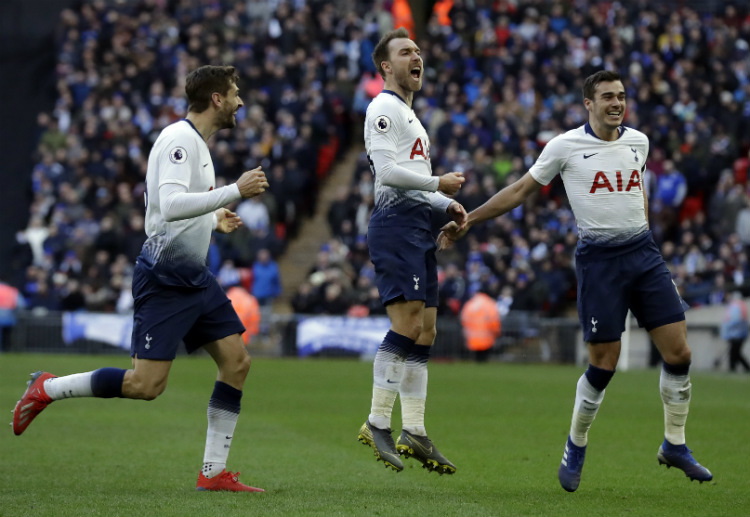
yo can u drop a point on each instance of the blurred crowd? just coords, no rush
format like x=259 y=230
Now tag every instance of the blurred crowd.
x=501 y=79
x=120 y=80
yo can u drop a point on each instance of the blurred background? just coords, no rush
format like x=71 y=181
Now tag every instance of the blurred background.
x=88 y=86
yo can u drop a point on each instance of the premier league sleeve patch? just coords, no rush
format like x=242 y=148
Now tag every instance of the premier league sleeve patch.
x=382 y=124
x=178 y=155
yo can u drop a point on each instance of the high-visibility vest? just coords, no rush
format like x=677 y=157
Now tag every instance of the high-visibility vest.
x=402 y=17
x=8 y=297
x=442 y=9
x=480 y=320
x=247 y=308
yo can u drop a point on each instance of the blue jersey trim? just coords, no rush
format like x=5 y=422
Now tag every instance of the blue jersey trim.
x=587 y=128
x=391 y=92
x=193 y=126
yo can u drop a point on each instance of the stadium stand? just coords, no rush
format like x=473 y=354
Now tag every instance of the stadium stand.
x=502 y=78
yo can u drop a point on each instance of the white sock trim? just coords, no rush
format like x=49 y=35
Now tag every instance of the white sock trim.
x=412 y=411
x=69 y=386
x=675 y=395
x=387 y=373
x=221 y=424
x=382 y=407
x=587 y=402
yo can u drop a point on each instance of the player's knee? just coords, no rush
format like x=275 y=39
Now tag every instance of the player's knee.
x=151 y=394
x=237 y=369
x=143 y=389
x=244 y=364
x=427 y=336
x=414 y=330
x=681 y=355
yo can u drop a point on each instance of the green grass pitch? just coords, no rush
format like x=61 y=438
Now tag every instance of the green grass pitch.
x=503 y=425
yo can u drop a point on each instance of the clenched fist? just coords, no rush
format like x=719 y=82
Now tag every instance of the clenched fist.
x=451 y=183
x=252 y=183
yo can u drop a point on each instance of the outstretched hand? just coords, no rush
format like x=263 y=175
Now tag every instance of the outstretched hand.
x=449 y=234
x=457 y=213
x=228 y=221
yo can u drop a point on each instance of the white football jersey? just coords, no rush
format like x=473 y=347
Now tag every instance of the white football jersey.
x=176 y=251
x=390 y=124
x=603 y=181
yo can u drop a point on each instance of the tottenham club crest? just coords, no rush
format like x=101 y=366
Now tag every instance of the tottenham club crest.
x=382 y=124
x=178 y=155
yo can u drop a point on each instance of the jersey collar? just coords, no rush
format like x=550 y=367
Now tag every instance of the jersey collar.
x=191 y=125
x=587 y=128
x=391 y=92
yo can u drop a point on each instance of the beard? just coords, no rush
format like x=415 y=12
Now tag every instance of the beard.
x=406 y=81
x=227 y=120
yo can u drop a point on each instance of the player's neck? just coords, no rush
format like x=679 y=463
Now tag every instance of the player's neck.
x=408 y=97
x=604 y=132
x=203 y=123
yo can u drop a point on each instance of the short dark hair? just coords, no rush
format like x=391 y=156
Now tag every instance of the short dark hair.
x=592 y=81
x=202 y=82
x=380 y=53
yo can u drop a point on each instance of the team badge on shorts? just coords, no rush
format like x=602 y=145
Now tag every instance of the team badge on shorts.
x=382 y=124
x=178 y=155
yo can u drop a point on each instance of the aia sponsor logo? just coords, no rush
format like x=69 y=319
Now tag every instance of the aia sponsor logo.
x=420 y=149
x=602 y=182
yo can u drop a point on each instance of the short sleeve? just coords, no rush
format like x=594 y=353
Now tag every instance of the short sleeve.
x=550 y=162
x=177 y=158
x=384 y=124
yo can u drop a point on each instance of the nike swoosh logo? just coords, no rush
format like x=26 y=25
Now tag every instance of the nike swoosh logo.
x=205 y=165
x=585 y=156
x=390 y=381
x=425 y=450
x=390 y=456
x=411 y=120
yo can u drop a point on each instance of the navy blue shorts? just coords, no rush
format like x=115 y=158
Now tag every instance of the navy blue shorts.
x=612 y=280
x=167 y=315
x=405 y=264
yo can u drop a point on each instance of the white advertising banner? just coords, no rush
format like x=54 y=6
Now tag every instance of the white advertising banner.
x=113 y=329
x=357 y=335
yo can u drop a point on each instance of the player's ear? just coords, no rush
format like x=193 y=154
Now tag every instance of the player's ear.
x=216 y=99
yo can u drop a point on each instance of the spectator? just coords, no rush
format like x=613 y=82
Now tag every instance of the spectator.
x=266 y=278
x=735 y=330
x=671 y=189
x=305 y=300
x=247 y=308
x=10 y=300
x=480 y=319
